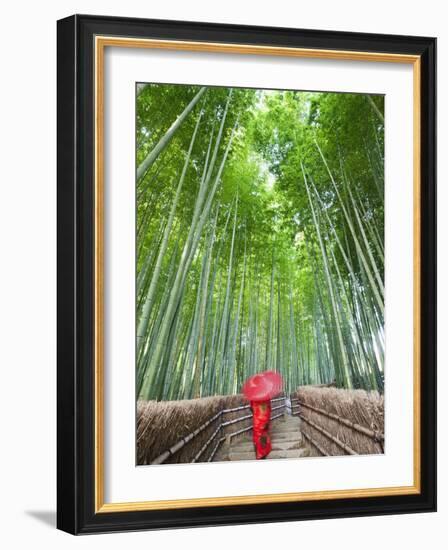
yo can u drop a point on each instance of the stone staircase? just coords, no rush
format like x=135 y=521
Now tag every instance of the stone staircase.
x=286 y=438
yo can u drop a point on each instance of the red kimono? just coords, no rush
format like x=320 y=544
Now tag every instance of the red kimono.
x=262 y=416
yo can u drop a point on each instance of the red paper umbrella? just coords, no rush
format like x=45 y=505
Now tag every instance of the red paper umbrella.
x=262 y=386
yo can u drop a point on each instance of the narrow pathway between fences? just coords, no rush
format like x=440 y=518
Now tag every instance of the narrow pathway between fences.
x=227 y=434
x=286 y=438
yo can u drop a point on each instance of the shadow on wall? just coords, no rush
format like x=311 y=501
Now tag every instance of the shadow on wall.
x=47 y=517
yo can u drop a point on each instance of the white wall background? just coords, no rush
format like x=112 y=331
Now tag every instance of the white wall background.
x=27 y=271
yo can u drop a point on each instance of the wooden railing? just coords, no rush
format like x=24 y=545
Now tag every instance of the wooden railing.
x=217 y=437
x=296 y=408
x=375 y=435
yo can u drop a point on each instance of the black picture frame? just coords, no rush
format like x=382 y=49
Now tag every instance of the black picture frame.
x=76 y=254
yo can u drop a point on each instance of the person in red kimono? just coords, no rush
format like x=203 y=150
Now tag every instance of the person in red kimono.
x=261 y=419
x=259 y=389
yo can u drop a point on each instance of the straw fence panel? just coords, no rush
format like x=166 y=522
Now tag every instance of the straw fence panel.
x=354 y=419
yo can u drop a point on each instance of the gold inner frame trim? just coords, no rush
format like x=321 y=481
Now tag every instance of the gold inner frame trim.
x=101 y=42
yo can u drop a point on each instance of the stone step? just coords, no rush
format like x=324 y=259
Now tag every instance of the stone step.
x=287 y=422
x=250 y=455
x=284 y=429
x=284 y=433
x=221 y=458
x=279 y=445
x=284 y=436
x=275 y=436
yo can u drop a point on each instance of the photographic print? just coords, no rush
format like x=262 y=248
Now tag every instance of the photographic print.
x=246 y=274
x=259 y=274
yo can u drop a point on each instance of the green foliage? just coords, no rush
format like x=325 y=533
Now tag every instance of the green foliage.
x=286 y=267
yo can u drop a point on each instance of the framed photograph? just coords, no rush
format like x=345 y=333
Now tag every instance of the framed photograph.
x=246 y=274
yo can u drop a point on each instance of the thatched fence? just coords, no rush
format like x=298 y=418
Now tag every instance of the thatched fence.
x=337 y=421
x=192 y=430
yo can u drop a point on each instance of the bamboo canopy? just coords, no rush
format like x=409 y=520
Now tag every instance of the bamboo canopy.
x=260 y=239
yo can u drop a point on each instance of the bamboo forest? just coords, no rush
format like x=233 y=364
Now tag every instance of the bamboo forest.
x=259 y=239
